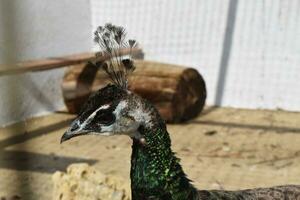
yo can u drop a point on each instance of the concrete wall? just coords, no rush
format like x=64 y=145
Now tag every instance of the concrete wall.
x=247 y=51
x=32 y=29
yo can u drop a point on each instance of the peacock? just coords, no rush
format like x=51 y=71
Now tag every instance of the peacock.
x=156 y=173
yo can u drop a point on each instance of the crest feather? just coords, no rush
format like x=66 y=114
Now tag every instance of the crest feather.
x=111 y=40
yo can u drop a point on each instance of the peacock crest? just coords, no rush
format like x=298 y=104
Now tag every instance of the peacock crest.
x=111 y=40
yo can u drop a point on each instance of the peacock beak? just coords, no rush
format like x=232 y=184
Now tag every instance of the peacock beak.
x=74 y=131
x=66 y=136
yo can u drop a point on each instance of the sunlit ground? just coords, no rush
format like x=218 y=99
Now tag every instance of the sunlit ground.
x=222 y=148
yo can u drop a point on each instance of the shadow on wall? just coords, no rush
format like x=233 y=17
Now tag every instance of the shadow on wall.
x=10 y=56
x=226 y=50
x=12 y=100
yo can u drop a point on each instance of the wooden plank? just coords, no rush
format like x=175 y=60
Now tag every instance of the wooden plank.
x=58 y=62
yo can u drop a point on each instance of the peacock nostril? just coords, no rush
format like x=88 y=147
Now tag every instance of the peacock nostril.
x=74 y=127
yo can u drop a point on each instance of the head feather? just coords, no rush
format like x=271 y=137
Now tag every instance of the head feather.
x=111 y=40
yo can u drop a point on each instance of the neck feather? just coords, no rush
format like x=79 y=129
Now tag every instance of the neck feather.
x=155 y=170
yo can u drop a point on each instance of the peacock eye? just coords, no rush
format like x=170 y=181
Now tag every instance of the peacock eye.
x=105 y=118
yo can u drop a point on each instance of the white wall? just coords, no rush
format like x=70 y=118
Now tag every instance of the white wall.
x=32 y=29
x=247 y=51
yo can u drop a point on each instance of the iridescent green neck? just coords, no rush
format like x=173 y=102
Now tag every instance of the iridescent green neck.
x=155 y=171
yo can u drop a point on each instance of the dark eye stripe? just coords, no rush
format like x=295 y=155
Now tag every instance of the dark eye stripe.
x=106 y=118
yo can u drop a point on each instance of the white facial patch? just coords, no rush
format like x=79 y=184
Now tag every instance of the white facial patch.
x=141 y=116
x=121 y=125
x=115 y=127
x=91 y=117
x=104 y=107
x=120 y=107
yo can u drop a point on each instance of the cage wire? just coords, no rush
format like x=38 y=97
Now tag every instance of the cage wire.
x=247 y=51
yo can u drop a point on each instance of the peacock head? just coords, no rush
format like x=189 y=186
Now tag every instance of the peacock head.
x=114 y=110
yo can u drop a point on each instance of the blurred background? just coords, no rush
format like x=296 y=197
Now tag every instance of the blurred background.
x=248 y=53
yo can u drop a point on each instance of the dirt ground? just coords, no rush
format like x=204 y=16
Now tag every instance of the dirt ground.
x=222 y=148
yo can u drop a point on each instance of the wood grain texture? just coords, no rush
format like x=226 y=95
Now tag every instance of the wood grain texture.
x=178 y=92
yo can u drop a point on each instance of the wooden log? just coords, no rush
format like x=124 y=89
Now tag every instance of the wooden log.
x=179 y=93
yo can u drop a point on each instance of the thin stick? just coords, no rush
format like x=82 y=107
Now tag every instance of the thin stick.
x=58 y=62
